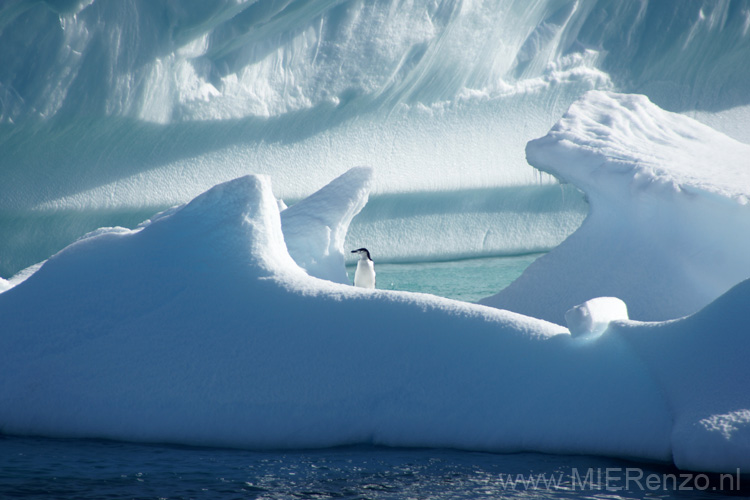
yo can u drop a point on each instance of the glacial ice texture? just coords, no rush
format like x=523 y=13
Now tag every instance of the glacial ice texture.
x=113 y=110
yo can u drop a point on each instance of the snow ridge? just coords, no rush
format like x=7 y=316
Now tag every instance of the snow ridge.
x=315 y=228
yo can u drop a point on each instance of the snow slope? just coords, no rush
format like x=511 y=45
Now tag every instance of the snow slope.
x=199 y=328
x=709 y=401
x=668 y=229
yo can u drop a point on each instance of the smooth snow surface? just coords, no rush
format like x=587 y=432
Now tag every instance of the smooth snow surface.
x=315 y=228
x=199 y=328
x=669 y=223
x=709 y=402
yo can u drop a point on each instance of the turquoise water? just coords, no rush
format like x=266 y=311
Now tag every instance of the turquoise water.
x=468 y=280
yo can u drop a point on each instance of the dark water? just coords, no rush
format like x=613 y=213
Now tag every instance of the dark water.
x=36 y=468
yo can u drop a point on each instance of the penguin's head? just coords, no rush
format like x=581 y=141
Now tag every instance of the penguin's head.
x=363 y=252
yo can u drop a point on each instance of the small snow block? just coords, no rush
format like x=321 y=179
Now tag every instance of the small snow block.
x=593 y=316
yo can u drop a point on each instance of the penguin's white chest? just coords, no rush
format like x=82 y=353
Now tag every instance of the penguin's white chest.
x=364 y=276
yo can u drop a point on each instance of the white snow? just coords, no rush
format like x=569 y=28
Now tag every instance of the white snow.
x=708 y=399
x=315 y=228
x=19 y=277
x=594 y=316
x=669 y=224
x=198 y=327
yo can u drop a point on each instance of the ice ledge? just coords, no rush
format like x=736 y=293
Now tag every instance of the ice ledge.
x=669 y=224
x=625 y=141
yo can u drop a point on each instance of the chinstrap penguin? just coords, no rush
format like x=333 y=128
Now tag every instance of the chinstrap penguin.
x=364 y=276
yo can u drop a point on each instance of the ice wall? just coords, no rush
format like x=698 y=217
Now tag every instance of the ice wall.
x=446 y=225
x=113 y=109
x=221 y=59
x=669 y=223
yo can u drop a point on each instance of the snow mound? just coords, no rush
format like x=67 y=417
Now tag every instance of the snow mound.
x=709 y=401
x=199 y=328
x=315 y=228
x=669 y=222
x=594 y=316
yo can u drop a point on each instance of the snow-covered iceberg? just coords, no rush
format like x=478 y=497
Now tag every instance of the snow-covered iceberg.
x=198 y=327
x=668 y=229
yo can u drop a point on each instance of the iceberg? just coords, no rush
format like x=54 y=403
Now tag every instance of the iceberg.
x=228 y=321
x=668 y=229
x=198 y=327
